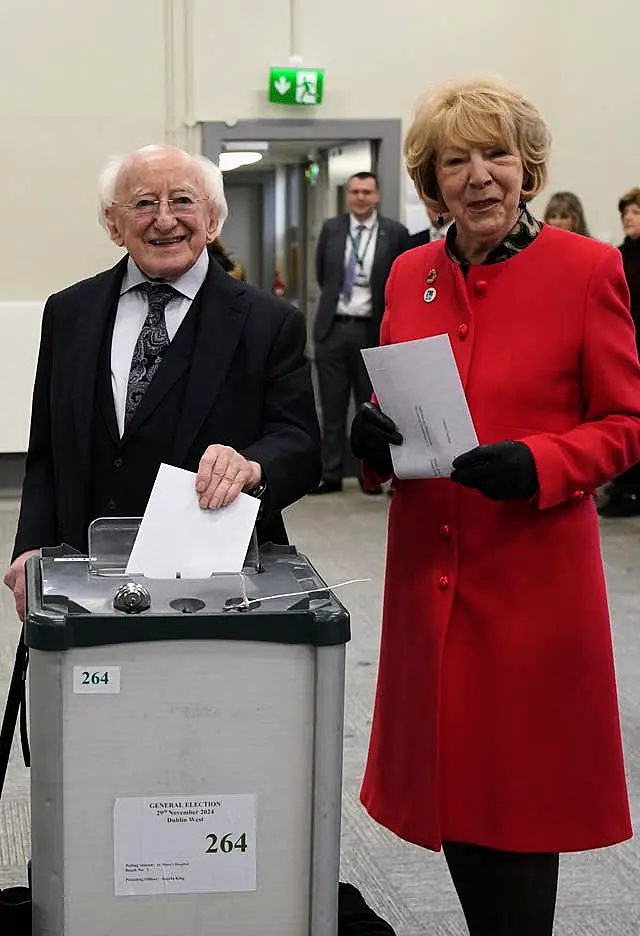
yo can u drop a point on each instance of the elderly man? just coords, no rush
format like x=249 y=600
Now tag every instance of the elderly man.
x=163 y=358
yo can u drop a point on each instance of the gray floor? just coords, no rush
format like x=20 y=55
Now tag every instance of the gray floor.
x=344 y=536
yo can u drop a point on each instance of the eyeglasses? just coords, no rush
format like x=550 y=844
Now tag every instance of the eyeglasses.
x=179 y=206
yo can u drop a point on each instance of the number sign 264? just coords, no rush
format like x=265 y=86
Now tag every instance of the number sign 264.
x=225 y=844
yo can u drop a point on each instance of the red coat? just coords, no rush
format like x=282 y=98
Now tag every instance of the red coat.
x=496 y=717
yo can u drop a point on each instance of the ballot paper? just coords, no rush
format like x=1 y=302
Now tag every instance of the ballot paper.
x=177 y=536
x=418 y=386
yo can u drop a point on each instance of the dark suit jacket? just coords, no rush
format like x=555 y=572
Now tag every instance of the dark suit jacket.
x=630 y=250
x=248 y=386
x=420 y=238
x=393 y=239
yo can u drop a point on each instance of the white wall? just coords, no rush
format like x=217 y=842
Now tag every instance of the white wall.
x=377 y=59
x=80 y=81
x=576 y=59
x=347 y=159
x=83 y=80
x=20 y=331
x=591 y=97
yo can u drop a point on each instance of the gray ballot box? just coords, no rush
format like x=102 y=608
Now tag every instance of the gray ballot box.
x=186 y=746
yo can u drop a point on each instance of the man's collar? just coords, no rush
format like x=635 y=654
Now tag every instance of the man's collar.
x=368 y=224
x=187 y=283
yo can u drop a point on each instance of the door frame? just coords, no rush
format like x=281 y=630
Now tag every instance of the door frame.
x=386 y=133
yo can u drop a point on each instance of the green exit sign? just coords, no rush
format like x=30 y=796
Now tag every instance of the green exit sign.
x=297 y=86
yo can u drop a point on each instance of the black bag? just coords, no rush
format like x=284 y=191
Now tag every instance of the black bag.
x=15 y=911
x=355 y=916
x=15 y=902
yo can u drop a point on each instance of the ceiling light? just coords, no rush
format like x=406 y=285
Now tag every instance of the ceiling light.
x=229 y=161
x=260 y=145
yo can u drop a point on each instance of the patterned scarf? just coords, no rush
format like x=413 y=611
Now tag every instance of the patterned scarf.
x=523 y=233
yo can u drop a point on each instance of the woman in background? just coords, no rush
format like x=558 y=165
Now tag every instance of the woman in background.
x=629 y=208
x=623 y=494
x=565 y=211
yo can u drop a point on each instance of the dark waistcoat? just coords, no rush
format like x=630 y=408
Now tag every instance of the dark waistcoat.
x=123 y=470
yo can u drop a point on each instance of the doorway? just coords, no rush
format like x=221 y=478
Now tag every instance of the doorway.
x=385 y=134
x=289 y=177
x=297 y=178
x=242 y=231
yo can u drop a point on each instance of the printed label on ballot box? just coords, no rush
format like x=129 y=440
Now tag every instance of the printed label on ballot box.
x=205 y=843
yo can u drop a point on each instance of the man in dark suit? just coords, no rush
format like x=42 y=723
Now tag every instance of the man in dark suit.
x=163 y=358
x=353 y=259
x=438 y=227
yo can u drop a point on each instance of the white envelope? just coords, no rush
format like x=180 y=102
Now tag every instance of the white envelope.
x=417 y=385
x=177 y=536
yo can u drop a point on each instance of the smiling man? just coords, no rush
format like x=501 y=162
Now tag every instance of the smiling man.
x=163 y=358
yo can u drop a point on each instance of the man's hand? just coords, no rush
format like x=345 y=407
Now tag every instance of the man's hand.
x=222 y=474
x=500 y=471
x=14 y=578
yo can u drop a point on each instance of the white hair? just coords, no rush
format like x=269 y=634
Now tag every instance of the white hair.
x=213 y=183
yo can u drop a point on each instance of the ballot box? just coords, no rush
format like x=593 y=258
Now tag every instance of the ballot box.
x=186 y=746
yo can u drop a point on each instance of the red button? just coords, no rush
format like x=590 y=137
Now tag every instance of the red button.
x=463 y=331
x=443 y=582
x=445 y=531
x=481 y=287
x=577 y=495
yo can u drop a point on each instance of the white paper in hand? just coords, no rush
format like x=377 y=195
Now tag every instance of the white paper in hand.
x=176 y=535
x=418 y=386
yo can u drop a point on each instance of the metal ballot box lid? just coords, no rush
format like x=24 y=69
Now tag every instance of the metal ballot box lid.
x=75 y=600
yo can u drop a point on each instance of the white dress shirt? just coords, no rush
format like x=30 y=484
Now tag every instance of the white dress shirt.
x=359 y=306
x=130 y=317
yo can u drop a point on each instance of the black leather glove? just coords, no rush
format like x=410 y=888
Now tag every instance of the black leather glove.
x=371 y=434
x=500 y=471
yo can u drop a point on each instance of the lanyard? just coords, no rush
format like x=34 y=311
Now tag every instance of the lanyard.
x=360 y=259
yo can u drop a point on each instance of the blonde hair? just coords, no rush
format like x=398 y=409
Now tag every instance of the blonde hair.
x=476 y=113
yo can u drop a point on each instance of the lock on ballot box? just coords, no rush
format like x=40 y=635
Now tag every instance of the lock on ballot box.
x=186 y=746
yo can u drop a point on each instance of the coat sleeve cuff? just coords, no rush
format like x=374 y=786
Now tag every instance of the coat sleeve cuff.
x=555 y=483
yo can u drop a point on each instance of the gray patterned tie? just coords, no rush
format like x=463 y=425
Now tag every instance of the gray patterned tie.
x=151 y=345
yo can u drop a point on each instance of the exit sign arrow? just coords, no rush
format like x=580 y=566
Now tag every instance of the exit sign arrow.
x=282 y=85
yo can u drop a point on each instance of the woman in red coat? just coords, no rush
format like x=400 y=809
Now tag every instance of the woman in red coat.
x=496 y=731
